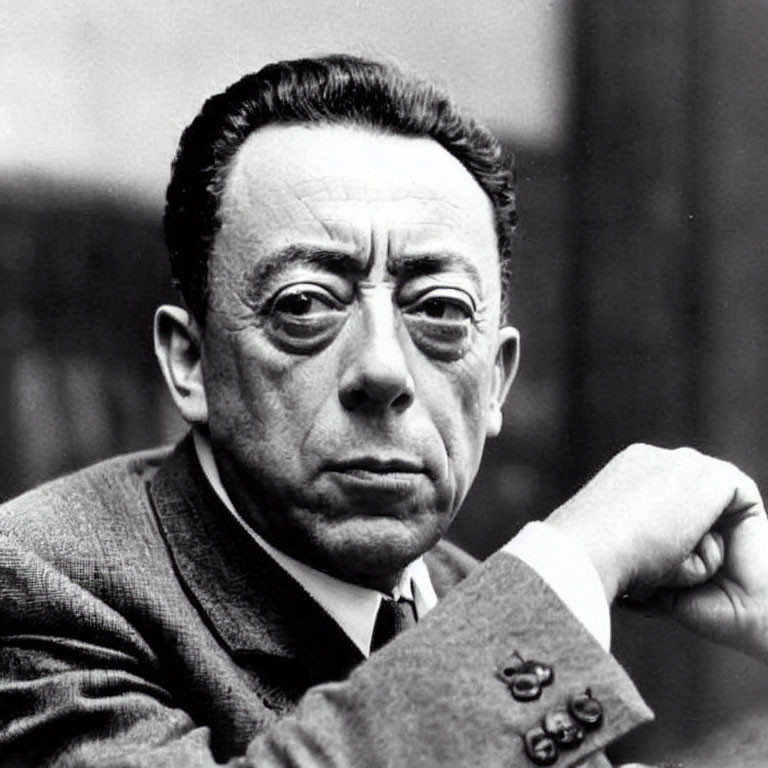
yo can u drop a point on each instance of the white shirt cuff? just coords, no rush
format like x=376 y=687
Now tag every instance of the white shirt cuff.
x=569 y=572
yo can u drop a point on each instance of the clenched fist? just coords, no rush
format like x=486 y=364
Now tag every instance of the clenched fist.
x=685 y=532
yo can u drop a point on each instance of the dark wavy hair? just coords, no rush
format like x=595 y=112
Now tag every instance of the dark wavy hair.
x=336 y=89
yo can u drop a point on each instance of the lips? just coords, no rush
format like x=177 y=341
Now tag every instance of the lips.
x=382 y=476
x=377 y=465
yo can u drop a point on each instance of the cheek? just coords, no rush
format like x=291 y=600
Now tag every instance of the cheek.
x=248 y=382
x=290 y=395
x=459 y=410
x=472 y=377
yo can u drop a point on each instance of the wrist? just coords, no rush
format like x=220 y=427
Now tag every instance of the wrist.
x=604 y=558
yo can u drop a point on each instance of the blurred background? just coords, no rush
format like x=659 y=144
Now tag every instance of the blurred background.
x=640 y=131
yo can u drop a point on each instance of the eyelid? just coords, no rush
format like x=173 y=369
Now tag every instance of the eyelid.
x=445 y=292
x=302 y=286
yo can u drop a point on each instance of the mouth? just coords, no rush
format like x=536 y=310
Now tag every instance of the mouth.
x=390 y=475
x=377 y=465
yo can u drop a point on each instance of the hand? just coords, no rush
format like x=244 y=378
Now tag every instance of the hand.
x=729 y=604
x=684 y=522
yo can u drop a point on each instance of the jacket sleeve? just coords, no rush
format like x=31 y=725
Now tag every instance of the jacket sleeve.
x=435 y=696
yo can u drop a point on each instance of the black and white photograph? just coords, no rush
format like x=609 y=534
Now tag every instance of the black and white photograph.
x=383 y=384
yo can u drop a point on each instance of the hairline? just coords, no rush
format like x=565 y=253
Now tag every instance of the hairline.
x=382 y=99
x=224 y=174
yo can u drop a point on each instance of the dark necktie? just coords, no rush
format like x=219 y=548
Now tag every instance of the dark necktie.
x=393 y=617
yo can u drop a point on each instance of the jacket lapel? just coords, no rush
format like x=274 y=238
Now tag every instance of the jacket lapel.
x=447 y=566
x=249 y=601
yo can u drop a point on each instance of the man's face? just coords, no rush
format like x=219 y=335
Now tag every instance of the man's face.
x=350 y=357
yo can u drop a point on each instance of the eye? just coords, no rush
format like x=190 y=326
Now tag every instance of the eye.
x=444 y=309
x=440 y=322
x=448 y=305
x=304 y=301
x=304 y=317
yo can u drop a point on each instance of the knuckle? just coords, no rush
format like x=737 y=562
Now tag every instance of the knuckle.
x=688 y=455
x=643 y=453
x=748 y=483
x=639 y=449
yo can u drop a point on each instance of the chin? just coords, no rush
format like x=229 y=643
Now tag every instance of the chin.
x=372 y=551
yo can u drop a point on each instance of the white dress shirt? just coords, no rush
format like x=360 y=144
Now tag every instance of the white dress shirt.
x=352 y=607
x=562 y=565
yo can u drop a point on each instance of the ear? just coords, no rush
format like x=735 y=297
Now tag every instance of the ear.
x=177 y=348
x=504 y=372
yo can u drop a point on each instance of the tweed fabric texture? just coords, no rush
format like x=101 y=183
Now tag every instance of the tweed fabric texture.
x=139 y=628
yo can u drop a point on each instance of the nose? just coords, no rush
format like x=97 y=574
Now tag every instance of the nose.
x=376 y=376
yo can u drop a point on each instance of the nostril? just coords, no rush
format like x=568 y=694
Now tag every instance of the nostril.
x=353 y=399
x=373 y=393
x=402 y=401
x=377 y=380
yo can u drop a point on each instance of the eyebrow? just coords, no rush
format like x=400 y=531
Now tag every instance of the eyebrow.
x=334 y=261
x=425 y=264
x=345 y=264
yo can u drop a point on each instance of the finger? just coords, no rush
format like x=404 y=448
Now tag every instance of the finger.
x=746 y=494
x=711 y=550
x=690 y=573
x=701 y=565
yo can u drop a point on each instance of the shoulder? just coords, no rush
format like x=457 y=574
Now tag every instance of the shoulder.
x=64 y=514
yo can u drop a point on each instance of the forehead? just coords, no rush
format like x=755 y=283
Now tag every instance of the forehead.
x=354 y=188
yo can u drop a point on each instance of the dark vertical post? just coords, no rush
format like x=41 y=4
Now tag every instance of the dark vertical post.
x=637 y=282
x=634 y=325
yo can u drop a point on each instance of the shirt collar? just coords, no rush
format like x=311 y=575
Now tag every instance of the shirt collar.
x=352 y=607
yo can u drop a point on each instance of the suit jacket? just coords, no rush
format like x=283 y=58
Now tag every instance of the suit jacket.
x=139 y=627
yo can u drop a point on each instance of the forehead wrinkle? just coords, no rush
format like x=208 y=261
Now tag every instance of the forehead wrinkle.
x=365 y=191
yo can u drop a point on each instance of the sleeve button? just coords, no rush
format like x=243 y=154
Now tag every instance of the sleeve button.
x=563 y=728
x=540 y=746
x=586 y=709
x=525 y=679
x=525 y=687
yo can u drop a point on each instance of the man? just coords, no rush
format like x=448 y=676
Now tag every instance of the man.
x=339 y=234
